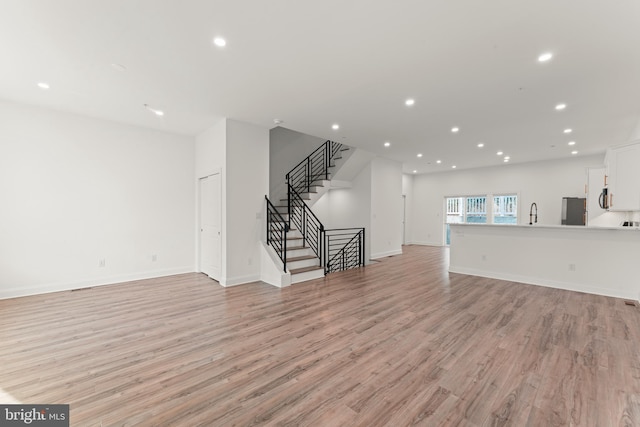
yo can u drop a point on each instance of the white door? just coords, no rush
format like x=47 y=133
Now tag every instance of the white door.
x=210 y=220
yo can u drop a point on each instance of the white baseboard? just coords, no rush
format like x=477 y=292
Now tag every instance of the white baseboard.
x=239 y=280
x=540 y=281
x=46 y=288
x=385 y=254
x=425 y=243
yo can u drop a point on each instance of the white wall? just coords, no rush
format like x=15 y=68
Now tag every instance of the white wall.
x=240 y=151
x=349 y=207
x=374 y=201
x=542 y=182
x=247 y=184
x=386 y=208
x=76 y=190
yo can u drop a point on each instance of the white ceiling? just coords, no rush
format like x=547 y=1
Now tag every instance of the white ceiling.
x=467 y=63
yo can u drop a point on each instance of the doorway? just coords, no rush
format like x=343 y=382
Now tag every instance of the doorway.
x=210 y=225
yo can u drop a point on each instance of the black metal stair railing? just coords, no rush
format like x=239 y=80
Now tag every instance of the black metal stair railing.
x=336 y=249
x=314 y=168
x=307 y=223
x=277 y=228
x=344 y=249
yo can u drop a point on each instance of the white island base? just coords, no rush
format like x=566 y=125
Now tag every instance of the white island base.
x=603 y=261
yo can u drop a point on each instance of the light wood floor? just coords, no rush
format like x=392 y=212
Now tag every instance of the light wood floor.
x=398 y=343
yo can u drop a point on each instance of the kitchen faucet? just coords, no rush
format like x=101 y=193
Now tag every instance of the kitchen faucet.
x=532 y=215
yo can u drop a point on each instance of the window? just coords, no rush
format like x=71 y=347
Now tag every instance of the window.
x=476 y=210
x=505 y=209
x=471 y=209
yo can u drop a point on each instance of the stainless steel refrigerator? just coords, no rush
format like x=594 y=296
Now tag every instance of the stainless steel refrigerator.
x=574 y=210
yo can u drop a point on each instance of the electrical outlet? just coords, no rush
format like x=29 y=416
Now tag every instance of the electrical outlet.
x=484 y=257
x=250 y=261
x=102 y=262
x=572 y=267
x=154 y=258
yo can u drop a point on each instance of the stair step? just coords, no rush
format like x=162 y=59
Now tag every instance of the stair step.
x=301 y=258
x=304 y=269
x=294 y=248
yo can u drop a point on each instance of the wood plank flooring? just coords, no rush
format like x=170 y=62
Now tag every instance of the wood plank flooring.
x=401 y=342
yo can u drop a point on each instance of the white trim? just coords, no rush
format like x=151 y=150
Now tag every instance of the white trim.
x=47 y=288
x=425 y=243
x=239 y=280
x=538 y=281
x=385 y=254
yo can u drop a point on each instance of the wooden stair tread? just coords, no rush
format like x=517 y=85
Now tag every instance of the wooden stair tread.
x=304 y=269
x=294 y=248
x=301 y=258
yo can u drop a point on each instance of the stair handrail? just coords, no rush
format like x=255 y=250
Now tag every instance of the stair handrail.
x=304 y=219
x=314 y=166
x=277 y=238
x=341 y=254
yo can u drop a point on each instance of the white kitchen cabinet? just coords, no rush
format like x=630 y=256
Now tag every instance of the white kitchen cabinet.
x=596 y=181
x=623 y=164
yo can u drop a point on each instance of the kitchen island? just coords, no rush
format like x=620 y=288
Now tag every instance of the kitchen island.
x=597 y=260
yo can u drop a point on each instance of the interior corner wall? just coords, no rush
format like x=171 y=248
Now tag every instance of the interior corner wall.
x=349 y=207
x=287 y=148
x=247 y=183
x=210 y=158
x=407 y=192
x=77 y=190
x=386 y=208
x=545 y=183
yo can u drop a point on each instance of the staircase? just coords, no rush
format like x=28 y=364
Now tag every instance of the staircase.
x=293 y=230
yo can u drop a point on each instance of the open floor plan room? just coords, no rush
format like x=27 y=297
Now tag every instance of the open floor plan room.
x=400 y=342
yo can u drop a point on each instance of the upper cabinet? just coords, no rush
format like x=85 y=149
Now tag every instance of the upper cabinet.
x=596 y=181
x=623 y=164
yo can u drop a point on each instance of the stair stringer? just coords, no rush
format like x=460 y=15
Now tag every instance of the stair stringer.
x=271 y=270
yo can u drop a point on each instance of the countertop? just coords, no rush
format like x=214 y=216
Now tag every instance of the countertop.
x=548 y=226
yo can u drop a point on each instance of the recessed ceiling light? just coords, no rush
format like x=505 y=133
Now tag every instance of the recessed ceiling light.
x=507 y=158
x=409 y=102
x=278 y=121
x=154 y=111
x=561 y=106
x=419 y=154
x=574 y=152
x=43 y=85
x=220 y=42
x=386 y=144
x=545 y=57
x=335 y=126
x=415 y=171
x=455 y=129
x=480 y=145
x=118 y=67
x=572 y=143
x=499 y=153
x=438 y=161
x=453 y=167
x=568 y=130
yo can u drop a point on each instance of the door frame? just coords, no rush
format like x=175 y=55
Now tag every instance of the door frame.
x=198 y=241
